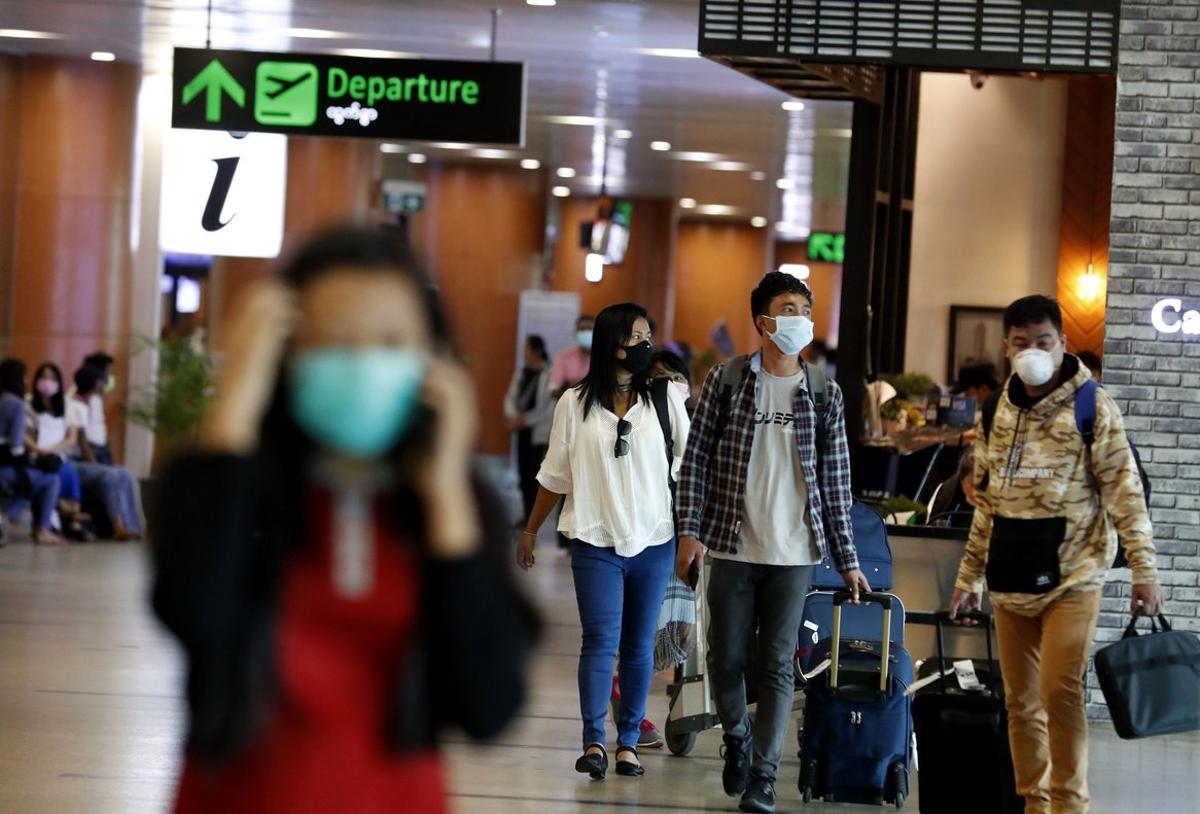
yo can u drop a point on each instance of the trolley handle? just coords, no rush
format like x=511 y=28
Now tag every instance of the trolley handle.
x=886 y=601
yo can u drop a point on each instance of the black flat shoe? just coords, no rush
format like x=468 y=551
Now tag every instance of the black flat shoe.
x=594 y=764
x=627 y=768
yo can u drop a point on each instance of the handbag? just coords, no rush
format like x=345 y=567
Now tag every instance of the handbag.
x=48 y=463
x=1151 y=683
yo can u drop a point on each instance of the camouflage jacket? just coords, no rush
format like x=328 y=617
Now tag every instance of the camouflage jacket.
x=1035 y=466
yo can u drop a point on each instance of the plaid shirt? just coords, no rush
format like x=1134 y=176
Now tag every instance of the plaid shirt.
x=712 y=485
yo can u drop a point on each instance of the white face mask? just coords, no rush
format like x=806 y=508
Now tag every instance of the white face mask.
x=683 y=388
x=1034 y=366
x=792 y=334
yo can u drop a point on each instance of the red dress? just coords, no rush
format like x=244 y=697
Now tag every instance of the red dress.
x=325 y=746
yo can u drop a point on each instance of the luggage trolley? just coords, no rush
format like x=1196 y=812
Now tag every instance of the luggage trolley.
x=692 y=710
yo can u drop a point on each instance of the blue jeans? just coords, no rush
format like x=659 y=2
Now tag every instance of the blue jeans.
x=619 y=599
x=69 y=488
x=45 y=487
x=114 y=486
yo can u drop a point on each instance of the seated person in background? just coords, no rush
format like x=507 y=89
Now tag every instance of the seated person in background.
x=977 y=380
x=97 y=426
x=953 y=502
x=16 y=470
x=1092 y=362
x=51 y=438
x=112 y=485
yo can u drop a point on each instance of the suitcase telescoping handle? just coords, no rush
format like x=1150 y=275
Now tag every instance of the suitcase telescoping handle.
x=885 y=600
x=939 y=619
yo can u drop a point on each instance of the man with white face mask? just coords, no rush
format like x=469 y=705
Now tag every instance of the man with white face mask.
x=754 y=491
x=1051 y=507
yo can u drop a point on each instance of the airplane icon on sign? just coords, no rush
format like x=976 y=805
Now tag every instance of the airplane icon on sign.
x=285 y=93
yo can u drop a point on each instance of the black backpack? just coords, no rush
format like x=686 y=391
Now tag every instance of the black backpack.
x=1085 y=422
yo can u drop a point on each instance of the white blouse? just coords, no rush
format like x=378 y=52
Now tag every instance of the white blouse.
x=622 y=503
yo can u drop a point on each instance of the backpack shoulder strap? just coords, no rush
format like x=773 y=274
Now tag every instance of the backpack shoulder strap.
x=818 y=392
x=989 y=413
x=731 y=378
x=658 y=394
x=1085 y=412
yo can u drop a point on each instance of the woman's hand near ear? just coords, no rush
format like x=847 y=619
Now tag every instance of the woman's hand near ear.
x=443 y=479
x=254 y=344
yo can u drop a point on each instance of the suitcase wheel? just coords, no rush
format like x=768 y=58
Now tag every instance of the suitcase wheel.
x=898 y=782
x=681 y=744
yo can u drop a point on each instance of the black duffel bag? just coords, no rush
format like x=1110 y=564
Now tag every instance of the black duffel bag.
x=1151 y=683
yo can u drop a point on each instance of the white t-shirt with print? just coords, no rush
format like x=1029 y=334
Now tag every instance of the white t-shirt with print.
x=775 y=522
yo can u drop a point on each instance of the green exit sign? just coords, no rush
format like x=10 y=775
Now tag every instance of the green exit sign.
x=826 y=247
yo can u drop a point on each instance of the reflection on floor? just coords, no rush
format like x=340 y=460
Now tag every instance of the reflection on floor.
x=90 y=712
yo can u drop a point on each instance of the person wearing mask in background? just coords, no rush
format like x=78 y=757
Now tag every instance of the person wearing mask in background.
x=349 y=600
x=112 y=486
x=669 y=365
x=953 y=502
x=1092 y=362
x=54 y=440
x=569 y=369
x=571 y=364
x=17 y=471
x=529 y=410
x=1050 y=513
x=768 y=508
x=608 y=457
x=97 y=426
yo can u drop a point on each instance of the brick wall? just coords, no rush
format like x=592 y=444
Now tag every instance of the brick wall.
x=1155 y=253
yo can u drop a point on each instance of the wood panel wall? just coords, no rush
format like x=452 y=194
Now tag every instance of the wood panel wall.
x=70 y=219
x=11 y=70
x=482 y=233
x=645 y=275
x=717 y=266
x=1087 y=191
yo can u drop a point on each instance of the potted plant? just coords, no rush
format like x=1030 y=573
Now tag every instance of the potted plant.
x=173 y=405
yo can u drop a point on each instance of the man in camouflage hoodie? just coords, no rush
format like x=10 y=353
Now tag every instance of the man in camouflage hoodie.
x=1050 y=513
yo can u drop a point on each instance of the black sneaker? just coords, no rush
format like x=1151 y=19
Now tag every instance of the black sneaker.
x=737 y=753
x=759 y=796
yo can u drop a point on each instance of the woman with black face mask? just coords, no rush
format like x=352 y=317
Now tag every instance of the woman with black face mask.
x=608 y=455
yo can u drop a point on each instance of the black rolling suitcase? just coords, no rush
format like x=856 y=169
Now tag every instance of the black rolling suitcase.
x=962 y=735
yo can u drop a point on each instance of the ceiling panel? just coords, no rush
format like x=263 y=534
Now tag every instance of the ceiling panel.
x=603 y=60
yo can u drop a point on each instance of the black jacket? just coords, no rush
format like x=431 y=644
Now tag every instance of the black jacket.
x=216 y=587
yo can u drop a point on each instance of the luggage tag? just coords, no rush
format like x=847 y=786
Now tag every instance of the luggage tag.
x=965 y=672
x=811 y=625
x=816 y=671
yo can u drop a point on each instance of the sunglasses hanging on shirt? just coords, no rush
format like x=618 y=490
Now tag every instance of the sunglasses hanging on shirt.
x=623 y=430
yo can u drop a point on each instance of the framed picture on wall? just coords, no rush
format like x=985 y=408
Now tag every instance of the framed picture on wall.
x=976 y=336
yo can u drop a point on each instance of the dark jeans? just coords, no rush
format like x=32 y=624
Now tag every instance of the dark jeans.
x=42 y=488
x=529 y=461
x=619 y=599
x=735 y=591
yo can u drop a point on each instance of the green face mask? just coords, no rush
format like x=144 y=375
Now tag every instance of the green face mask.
x=112 y=383
x=357 y=402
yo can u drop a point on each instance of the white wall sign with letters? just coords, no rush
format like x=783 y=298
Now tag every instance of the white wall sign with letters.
x=1169 y=317
x=223 y=195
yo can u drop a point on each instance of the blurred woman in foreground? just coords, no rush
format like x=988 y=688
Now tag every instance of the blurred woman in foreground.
x=327 y=558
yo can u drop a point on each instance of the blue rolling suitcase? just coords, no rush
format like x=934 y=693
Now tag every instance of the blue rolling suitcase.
x=856 y=742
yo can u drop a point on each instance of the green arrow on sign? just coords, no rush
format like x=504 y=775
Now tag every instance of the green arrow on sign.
x=214 y=80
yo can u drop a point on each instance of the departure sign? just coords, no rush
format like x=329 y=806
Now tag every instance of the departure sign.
x=325 y=95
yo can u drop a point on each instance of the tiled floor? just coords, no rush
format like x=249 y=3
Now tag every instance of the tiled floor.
x=90 y=714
